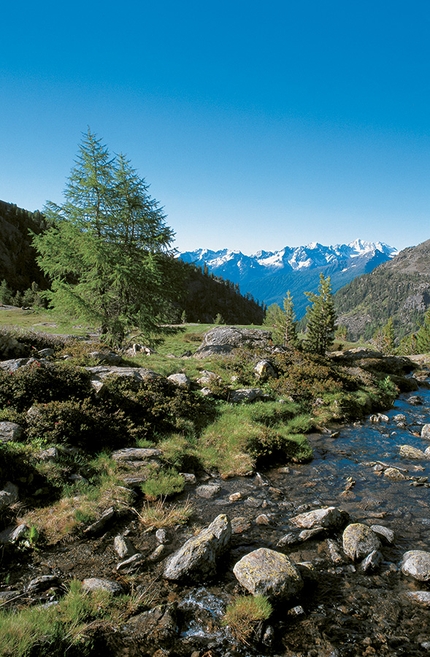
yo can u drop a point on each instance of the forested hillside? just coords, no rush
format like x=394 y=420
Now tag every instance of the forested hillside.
x=17 y=257
x=399 y=289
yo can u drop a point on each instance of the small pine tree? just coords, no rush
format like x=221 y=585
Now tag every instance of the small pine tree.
x=388 y=338
x=321 y=318
x=184 y=317
x=6 y=294
x=290 y=327
x=423 y=336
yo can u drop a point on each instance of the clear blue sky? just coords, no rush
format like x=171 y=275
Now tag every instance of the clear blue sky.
x=257 y=125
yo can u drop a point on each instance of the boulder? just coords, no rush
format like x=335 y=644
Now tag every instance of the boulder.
x=207 y=491
x=409 y=452
x=136 y=454
x=138 y=374
x=372 y=561
x=97 y=584
x=395 y=474
x=421 y=597
x=222 y=340
x=359 y=541
x=123 y=546
x=328 y=517
x=416 y=563
x=425 y=432
x=245 y=395
x=179 y=379
x=10 y=431
x=108 y=357
x=198 y=556
x=270 y=573
x=8 y=496
x=265 y=370
x=384 y=533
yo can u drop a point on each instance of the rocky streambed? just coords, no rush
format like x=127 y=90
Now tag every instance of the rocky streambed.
x=344 y=522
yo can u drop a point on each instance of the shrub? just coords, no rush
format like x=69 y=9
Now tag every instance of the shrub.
x=163 y=483
x=160 y=514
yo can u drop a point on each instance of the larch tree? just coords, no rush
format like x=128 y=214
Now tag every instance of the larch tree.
x=290 y=327
x=107 y=251
x=321 y=319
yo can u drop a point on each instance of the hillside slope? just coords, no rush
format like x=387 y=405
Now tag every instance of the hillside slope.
x=399 y=289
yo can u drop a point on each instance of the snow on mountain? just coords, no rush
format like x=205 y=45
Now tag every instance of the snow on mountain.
x=267 y=275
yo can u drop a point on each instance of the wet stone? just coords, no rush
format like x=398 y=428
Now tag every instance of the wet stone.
x=421 y=597
x=123 y=547
x=240 y=525
x=409 y=452
x=425 y=432
x=253 y=502
x=372 y=561
x=235 y=497
x=207 y=491
x=161 y=536
x=395 y=474
x=416 y=563
x=329 y=517
x=130 y=564
x=262 y=519
x=359 y=541
x=334 y=551
x=268 y=573
x=42 y=583
x=157 y=554
x=384 y=533
x=307 y=534
x=289 y=539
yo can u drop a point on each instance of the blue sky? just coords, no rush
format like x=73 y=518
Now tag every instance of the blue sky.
x=256 y=125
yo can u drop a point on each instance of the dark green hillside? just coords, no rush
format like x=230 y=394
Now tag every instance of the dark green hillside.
x=399 y=289
x=17 y=257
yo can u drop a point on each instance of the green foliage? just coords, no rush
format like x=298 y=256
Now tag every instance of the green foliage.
x=42 y=383
x=6 y=295
x=423 y=335
x=244 y=614
x=163 y=484
x=321 y=319
x=106 y=251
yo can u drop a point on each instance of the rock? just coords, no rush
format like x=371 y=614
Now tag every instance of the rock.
x=8 y=496
x=306 y=534
x=149 y=630
x=395 y=474
x=207 y=378
x=16 y=363
x=334 y=551
x=425 y=432
x=189 y=478
x=13 y=534
x=359 y=541
x=46 y=353
x=222 y=340
x=10 y=431
x=421 y=597
x=245 y=395
x=265 y=370
x=268 y=573
x=50 y=454
x=415 y=400
x=180 y=380
x=262 y=519
x=42 y=583
x=384 y=533
x=130 y=564
x=289 y=539
x=372 y=561
x=136 y=454
x=329 y=517
x=157 y=554
x=108 y=357
x=198 y=556
x=399 y=418
x=207 y=491
x=379 y=417
x=409 y=452
x=161 y=536
x=123 y=546
x=137 y=374
x=100 y=524
x=6 y=596
x=97 y=584
x=416 y=563
x=235 y=497
x=240 y=525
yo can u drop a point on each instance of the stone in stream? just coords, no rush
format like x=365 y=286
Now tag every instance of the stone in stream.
x=384 y=533
x=395 y=474
x=268 y=573
x=329 y=517
x=409 y=452
x=42 y=583
x=206 y=491
x=416 y=563
x=425 y=432
x=359 y=541
x=421 y=597
x=372 y=561
x=198 y=556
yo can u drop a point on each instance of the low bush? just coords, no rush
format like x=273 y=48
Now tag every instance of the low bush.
x=162 y=484
x=244 y=615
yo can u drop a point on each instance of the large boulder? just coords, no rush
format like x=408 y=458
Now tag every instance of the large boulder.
x=328 y=517
x=270 y=573
x=409 y=452
x=223 y=340
x=9 y=431
x=359 y=541
x=198 y=556
x=416 y=563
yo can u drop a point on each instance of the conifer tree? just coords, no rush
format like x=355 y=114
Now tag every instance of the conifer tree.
x=290 y=327
x=106 y=251
x=422 y=336
x=321 y=318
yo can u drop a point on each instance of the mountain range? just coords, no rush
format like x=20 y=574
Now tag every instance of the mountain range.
x=268 y=275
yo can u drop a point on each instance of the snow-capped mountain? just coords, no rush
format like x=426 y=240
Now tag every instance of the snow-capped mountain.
x=267 y=275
